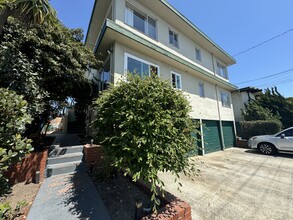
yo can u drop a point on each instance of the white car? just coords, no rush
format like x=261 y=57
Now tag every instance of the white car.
x=270 y=144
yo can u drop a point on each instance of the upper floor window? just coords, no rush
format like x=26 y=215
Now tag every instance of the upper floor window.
x=141 y=22
x=201 y=90
x=221 y=70
x=173 y=38
x=140 y=67
x=197 y=54
x=225 y=98
x=176 y=80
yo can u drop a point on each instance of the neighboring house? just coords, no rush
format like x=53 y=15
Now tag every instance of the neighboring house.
x=242 y=96
x=151 y=36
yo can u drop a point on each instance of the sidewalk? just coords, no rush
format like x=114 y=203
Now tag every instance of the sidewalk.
x=68 y=196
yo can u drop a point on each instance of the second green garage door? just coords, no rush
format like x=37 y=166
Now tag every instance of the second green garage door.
x=228 y=133
x=211 y=136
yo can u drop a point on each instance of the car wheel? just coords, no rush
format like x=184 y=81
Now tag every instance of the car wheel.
x=266 y=148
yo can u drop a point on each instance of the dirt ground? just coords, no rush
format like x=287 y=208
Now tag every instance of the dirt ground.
x=22 y=192
x=119 y=196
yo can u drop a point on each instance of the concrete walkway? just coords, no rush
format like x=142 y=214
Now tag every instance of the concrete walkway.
x=68 y=196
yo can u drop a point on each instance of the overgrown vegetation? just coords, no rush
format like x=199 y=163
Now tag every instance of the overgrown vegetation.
x=253 y=128
x=13 y=146
x=144 y=125
x=46 y=64
x=270 y=105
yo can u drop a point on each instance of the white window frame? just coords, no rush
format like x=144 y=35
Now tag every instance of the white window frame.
x=199 y=59
x=201 y=92
x=224 y=104
x=180 y=78
x=129 y=20
x=126 y=55
x=173 y=33
x=219 y=66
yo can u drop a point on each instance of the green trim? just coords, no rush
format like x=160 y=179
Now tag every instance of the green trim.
x=88 y=29
x=195 y=28
x=112 y=25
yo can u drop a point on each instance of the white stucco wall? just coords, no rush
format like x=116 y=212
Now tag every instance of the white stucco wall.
x=186 y=45
x=202 y=108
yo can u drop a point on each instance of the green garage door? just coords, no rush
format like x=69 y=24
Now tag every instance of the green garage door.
x=211 y=136
x=228 y=133
x=197 y=145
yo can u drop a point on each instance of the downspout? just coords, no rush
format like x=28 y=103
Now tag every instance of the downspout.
x=220 y=119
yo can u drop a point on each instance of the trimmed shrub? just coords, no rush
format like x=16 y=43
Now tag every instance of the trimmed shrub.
x=13 y=147
x=253 y=128
x=144 y=124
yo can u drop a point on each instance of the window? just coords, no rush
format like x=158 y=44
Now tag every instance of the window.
x=141 y=22
x=288 y=133
x=201 y=89
x=176 y=80
x=225 y=98
x=221 y=70
x=197 y=54
x=140 y=67
x=173 y=38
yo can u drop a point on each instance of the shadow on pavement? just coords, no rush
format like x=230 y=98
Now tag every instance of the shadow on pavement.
x=82 y=199
x=280 y=154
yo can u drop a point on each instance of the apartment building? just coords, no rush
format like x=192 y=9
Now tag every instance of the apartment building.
x=152 y=36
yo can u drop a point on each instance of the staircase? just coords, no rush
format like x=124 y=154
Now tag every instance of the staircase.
x=65 y=159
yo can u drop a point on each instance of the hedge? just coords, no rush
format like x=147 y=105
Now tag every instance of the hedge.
x=248 y=129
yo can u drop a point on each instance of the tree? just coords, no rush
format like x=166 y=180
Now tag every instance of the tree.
x=270 y=105
x=27 y=11
x=14 y=117
x=145 y=127
x=46 y=64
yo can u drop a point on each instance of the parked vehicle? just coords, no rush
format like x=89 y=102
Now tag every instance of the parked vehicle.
x=270 y=144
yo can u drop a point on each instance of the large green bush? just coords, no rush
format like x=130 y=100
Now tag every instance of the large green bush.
x=14 y=117
x=144 y=125
x=253 y=128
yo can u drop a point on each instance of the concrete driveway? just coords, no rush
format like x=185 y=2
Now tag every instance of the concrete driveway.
x=238 y=184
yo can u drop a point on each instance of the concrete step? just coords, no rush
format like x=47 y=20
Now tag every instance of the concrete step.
x=59 y=151
x=62 y=168
x=65 y=158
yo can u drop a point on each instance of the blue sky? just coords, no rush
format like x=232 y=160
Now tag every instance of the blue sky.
x=233 y=25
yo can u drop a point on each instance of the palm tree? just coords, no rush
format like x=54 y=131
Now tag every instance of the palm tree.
x=28 y=11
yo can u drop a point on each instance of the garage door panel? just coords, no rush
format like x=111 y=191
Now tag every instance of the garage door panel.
x=228 y=133
x=212 y=137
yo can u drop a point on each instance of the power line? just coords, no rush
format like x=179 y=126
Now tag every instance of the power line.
x=285 y=71
x=264 y=42
x=275 y=83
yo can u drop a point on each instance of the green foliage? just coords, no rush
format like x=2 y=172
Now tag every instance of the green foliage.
x=253 y=128
x=14 y=117
x=46 y=64
x=29 y=12
x=144 y=124
x=6 y=211
x=270 y=106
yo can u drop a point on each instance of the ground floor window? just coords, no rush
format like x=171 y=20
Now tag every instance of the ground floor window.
x=139 y=66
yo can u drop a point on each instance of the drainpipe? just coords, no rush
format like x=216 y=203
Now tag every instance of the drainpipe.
x=202 y=137
x=220 y=119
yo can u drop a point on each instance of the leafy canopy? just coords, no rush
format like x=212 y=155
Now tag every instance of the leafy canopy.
x=270 y=105
x=46 y=64
x=144 y=125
